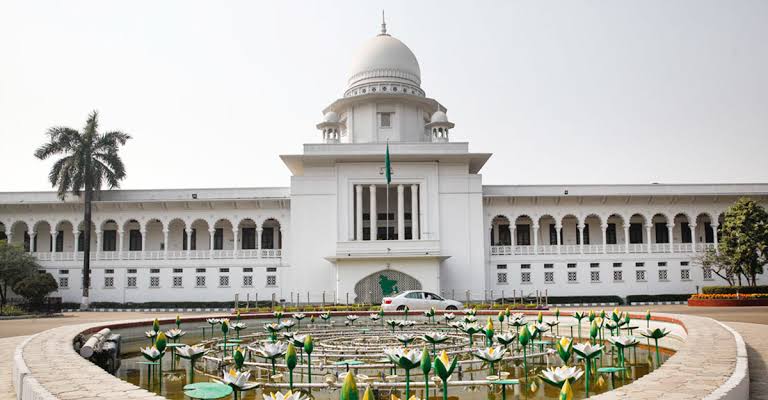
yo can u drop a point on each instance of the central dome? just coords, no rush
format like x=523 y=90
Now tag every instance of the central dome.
x=384 y=59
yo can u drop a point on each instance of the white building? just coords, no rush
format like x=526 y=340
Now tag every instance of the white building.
x=436 y=227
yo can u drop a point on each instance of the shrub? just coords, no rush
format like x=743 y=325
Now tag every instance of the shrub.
x=584 y=299
x=35 y=287
x=734 y=289
x=729 y=296
x=649 y=298
x=9 y=310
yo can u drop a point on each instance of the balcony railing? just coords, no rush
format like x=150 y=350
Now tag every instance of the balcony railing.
x=509 y=250
x=162 y=255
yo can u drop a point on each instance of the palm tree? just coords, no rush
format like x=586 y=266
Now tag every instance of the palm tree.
x=89 y=160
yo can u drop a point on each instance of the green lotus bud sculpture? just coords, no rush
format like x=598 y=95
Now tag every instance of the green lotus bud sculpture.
x=566 y=393
x=426 y=366
x=593 y=331
x=564 y=348
x=540 y=317
x=277 y=314
x=524 y=336
x=178 y=322
x=161 y=342
x=156 y=325
x=489 y=332
x=349 y=388
x=579 y=315
x=239 y=358
x=443 y=369
x=290 y=362
x=309 y=346
x=647 y=318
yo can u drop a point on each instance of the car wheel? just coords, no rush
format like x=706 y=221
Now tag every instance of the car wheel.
x=451 y=308
x=400 y=308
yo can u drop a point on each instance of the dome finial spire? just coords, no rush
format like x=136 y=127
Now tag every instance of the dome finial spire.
x=383 y=24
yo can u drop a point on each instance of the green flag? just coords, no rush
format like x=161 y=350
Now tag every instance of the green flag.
x=387 y=167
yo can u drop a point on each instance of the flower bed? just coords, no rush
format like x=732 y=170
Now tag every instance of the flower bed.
x=728 y=300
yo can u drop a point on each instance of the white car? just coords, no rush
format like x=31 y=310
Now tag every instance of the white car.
x=418 y=300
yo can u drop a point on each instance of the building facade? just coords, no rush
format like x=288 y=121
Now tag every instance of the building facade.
x=341 y=233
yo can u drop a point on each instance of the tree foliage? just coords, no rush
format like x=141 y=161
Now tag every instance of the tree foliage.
x=741 y=252
x=744 y=240
x=15 y=265
x=36 y=287
x=89 y=160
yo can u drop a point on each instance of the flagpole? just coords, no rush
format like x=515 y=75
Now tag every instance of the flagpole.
x=387 y=194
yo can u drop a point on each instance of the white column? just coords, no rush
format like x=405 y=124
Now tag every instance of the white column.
x=119 y=239
x=76 y=235
x=143 y=243
x=400 y=212
x=235 y=234
x=99 y=239
x=714 y=238
x=513 y=235
x=536 y=239
x=693 y=237
x=358 y=212
x=54 y=234
x=626 y=238
x=165 y=243
x=581 y=238
x=648 y=235
x=32 y=235
x=211 y=232
x=558 y=230
x=604 y=227
x=258 y=241
x=276 y=237
x=670 y=230
x=372 y=212
x=188 y=231
x=415 y=234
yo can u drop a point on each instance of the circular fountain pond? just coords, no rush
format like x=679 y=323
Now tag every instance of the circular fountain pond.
x=377 y=351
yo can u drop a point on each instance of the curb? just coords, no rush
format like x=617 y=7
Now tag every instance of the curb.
x=737 y=385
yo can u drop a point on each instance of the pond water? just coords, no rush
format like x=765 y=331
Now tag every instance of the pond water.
x=365 y=342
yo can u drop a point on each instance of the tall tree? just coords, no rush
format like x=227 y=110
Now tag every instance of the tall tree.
x=89 y=160
x=744 y=238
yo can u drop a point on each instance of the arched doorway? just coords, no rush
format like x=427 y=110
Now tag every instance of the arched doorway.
x=388 y=282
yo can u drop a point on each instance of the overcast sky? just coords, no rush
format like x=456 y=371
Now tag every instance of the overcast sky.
x=560 y=91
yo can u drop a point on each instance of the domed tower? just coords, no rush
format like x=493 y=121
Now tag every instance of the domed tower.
x=331 y=127
x=384 y=100
x=438 y=126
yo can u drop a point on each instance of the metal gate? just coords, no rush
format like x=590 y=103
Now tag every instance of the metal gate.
x=386 y=282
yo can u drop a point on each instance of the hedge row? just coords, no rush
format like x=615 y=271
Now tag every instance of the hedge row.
x=584 y=299
x=734 y=289
x=656 y=298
